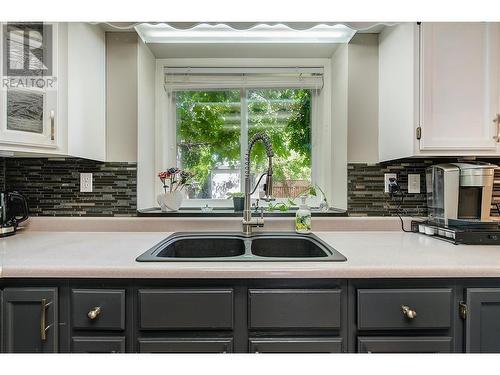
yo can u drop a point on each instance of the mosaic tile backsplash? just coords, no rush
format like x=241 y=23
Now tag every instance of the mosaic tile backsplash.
x=365 y=188
x=2 y=174
x=365 y=191
x=52 y=186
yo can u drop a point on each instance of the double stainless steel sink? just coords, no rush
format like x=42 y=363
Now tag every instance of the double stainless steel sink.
x=236 y=247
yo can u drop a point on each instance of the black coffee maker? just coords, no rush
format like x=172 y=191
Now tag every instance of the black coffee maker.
x=13 y=210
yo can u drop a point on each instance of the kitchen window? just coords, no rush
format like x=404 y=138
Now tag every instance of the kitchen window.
x=212 y=113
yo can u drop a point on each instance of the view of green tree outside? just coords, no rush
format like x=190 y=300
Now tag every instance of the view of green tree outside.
x=209 y=130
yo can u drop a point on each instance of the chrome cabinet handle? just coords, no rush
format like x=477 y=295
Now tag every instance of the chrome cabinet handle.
x=409 y=313
x=497 y=121
x=94 y=312
x=52 y=126
x=44 y=305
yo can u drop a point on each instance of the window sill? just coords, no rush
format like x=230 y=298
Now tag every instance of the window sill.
x=225 y=212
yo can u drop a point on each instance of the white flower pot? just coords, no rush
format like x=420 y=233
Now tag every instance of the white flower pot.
x=170 y=201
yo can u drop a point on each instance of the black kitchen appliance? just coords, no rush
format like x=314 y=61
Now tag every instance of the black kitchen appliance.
x=13 y=210
x=458 y=231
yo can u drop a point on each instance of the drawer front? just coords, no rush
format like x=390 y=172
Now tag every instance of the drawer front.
x=186 y=309
x=186 y=345
x=404 y=345
x=98 y=309
x=384 y=309
x=295 y=345
x=98 y=345
x=294 y=308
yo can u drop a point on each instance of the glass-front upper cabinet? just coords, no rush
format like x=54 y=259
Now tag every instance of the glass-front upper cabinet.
x=28 y=105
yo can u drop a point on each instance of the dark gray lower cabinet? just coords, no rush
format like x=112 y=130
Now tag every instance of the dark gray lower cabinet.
x=108 y=306
x=482 y=333
x=294 y=308
x=186 y=308
x=98 y=344
x=185 y=345
x=295 y=345
x=384 y=309
x=264 y=316
x=404 y=344
x=30 y=320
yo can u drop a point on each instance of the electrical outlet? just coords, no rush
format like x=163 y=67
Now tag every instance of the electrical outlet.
x=85 y=182
x=387 y=176
x=413 y=184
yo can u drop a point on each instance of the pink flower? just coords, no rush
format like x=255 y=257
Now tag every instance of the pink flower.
x=163 y=175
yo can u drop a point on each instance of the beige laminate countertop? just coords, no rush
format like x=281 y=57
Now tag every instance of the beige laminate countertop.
x=374 y=254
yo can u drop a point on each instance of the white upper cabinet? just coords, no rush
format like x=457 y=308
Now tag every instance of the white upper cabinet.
x=28 y=97
x=67 y=116
x=438 y=90
x=459 y=86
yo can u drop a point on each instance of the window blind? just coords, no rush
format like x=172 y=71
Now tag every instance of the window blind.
x=182 y=79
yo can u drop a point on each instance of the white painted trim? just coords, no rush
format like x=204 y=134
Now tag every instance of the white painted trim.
x=335 y=194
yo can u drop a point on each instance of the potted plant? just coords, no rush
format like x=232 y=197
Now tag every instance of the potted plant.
x=238 y=200
x=174 y=180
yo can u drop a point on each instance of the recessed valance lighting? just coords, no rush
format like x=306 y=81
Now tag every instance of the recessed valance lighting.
x=262 y=33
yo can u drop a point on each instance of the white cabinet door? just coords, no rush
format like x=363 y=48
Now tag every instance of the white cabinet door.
x=28 y=96
x=458 y=86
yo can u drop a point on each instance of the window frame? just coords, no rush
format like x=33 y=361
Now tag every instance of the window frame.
x=321 y=133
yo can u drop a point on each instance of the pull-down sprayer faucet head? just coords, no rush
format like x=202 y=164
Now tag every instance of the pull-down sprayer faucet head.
x=248 y=222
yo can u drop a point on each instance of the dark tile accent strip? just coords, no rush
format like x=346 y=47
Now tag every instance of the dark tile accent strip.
x=52 y=186
x=2 y=174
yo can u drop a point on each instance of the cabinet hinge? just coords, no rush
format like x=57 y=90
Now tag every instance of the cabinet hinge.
x=419 y=132
x=462 y=310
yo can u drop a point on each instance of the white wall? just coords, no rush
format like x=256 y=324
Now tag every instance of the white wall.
x=339 y=126
x=397 y=98
x=146 y=176
x=121 y=96
x=86 y=91
x=362 y=120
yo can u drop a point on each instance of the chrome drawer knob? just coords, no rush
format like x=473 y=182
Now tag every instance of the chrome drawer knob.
x=94 y=312
x=409 y=313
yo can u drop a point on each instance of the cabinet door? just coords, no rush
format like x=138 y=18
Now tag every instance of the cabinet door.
x=186 y=345
x=186 y=309
x=28 y=104
x=98 y=344
x=404 y=345
x=459 y=86
x=294 y=308
x=482 y=331
x=30 y=320
x=295 y=345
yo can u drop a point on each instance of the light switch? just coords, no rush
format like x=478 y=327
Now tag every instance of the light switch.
x=85 y=182
x=413 y=184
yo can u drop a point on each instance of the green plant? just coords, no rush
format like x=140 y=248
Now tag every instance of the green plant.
x=235 y=195
x=277 y=206
x=302 y=223
x=309 y=191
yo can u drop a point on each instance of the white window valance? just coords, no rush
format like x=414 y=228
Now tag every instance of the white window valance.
x=186 y=78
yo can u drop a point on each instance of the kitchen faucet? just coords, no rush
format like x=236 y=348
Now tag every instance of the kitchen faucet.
x=248 y=221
